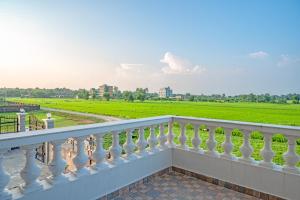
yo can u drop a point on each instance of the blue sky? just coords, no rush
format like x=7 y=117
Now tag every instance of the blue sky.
x=207 y=47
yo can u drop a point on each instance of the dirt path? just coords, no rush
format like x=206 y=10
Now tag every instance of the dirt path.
x=104 y=117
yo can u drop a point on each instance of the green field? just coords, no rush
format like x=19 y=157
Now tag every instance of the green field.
x=285 y=114
x=61 y=119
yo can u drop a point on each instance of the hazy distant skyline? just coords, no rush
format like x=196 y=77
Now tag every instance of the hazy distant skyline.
x=230 y=47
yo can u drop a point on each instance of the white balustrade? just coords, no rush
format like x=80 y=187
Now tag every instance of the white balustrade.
x=162 y=137
x=290 y=157
x=57 y=165
x=4 y=178
x=152 y=140
x=129 y=145
x=196 y=141
x=227 y=145
x=170 y=137
x=80 y=160
x=246 y=149
x=141 y=143
x=182 y=137
x=115 y=150
x=29 y=141
x=99 y=154
x=211 y=142
x=267 y=152
x=31 y=171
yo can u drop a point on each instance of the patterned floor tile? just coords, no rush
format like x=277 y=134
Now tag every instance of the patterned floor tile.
x=176 y=186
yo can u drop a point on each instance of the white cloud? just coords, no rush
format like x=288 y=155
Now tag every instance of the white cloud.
x=258 y=55
x=128 y=69
x=286 y=60
x=177 y=65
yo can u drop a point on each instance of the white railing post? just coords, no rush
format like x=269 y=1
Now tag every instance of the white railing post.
x=211 y=142
x=80 y=159
x=290 y=157
x=196 y=141
x=182 y=137
x=57 y=165
x=115 y=150
x=99 y=154
x=227 y=145
x=31 y=171
x=21 y=120
x=4 y=178
x=267 y=152
x=152 y=140
x=162 y=137
x=170 y=136
x=49 y=122
x=246 y=148
x=141 y=143
x=129 y=145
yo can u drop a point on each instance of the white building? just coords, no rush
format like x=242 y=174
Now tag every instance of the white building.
x=165 y=92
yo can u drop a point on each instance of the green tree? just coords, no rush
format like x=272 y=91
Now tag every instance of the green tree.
x=140 y=94
x=128 y=96
x=106 y=96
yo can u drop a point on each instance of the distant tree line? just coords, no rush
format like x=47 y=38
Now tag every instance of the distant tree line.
x=259 y=98
x=37 y=93
x=142 y=94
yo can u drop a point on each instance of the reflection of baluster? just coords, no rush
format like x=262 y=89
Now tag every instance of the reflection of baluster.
x=57 y=165
x=4 y=178
x=31 y=171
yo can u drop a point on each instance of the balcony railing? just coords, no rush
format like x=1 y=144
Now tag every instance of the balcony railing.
x=136 y=160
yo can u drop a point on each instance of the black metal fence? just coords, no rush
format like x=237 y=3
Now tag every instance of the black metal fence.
x=9 y=124
x=8 y=106
x=37 y=124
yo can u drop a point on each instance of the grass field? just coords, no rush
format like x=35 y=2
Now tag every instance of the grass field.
x=287 y=114
x=62 y=119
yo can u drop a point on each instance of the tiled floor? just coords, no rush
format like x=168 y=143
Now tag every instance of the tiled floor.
x=177 y=186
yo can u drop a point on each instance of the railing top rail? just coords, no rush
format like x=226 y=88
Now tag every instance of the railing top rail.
x=35 y=137
x=250 y=126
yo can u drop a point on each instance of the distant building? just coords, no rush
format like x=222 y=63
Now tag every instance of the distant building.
x=94 y=93
x=111 y=90
x=179 y=97
x=165 y=92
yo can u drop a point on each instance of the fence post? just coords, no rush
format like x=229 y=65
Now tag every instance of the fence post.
x=49 y=123
x=22 y=120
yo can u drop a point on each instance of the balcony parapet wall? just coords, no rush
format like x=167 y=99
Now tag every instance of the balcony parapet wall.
x=153 y=154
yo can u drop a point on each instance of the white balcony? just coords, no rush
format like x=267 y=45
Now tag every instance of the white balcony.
x=131 y=163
